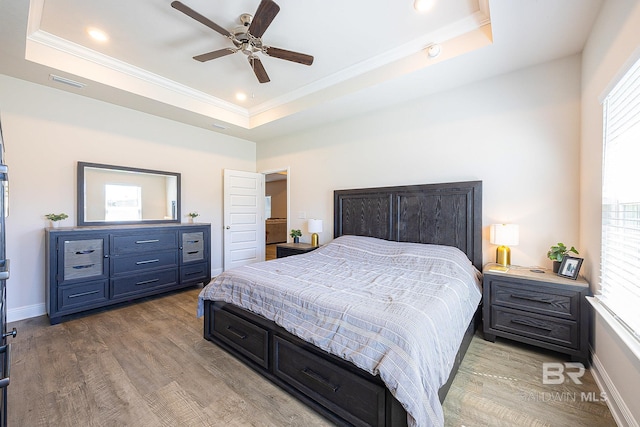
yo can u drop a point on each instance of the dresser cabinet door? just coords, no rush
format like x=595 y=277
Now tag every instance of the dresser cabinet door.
x=193 y=246
x=82 y=259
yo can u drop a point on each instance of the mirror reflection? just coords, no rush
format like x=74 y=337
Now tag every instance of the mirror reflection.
x=121 y=195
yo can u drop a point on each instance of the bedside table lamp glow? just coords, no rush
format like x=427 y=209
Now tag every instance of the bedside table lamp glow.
x=315 y=227
x=504 y=235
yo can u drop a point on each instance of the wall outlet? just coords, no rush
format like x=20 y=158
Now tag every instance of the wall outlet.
x=302 y=215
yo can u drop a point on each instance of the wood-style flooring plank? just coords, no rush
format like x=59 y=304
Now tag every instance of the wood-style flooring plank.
x=147 y=364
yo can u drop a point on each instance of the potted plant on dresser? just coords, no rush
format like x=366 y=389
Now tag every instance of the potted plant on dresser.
x=295 y=234
x=54 y=218
x=557 y=252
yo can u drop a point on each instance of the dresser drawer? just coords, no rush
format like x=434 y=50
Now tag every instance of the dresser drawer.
x=353 y=398
x=195 y=273
x=541 y=328
x=553 y=302
x=130 y=243
x=143 y=261
x=82 y=295
x=243 y=336
x=141 y=283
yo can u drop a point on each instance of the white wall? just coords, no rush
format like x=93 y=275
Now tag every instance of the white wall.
x=613 y=41
x=518 y=133
x=48 y=131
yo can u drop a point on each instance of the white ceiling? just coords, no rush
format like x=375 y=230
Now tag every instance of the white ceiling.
x=368 y=54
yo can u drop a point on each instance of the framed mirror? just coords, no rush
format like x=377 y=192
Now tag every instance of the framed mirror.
x=116 y=195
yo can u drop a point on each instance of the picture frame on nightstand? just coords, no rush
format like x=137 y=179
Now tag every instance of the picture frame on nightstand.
x=570 y=267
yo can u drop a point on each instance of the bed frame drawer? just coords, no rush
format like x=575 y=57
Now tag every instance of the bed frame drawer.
x=353 y=398
x=247 y=338
x=542 y=328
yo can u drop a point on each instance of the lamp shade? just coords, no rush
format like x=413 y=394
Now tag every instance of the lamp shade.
x=315 y=226
x=504 y=234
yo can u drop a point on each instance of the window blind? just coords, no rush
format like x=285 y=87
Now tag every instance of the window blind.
x=620 y=258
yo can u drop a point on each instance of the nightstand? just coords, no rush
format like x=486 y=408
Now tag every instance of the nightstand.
x=541 y=309
x=288 y=249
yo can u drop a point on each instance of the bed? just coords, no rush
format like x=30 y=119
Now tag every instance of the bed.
x=319 y=340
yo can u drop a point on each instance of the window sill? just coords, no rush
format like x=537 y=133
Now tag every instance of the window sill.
x=623 y=333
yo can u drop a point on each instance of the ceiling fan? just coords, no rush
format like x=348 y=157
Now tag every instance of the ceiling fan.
x=247 y=38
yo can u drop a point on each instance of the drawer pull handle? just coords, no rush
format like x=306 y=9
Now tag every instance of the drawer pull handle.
x=531 y=298
x=236 y=332
x=80 y=267
x=192 y=252
x=149 y=261
x=193 y=241
x=531 y=323
x=83 y=294
x=146 y=282
x=86 y=252
x=194 y=272
x=139 y=242
x=320 y=379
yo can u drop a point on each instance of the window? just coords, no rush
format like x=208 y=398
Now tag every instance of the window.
x=122 y=202
x=620 y=262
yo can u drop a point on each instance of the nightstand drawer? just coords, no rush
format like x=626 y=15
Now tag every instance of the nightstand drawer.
x=543 y=328
x=553 y=302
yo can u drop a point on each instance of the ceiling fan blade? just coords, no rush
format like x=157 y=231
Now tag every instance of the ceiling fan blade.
x=202 y=19
x=213 y=55
x=267 y=10
x=289 y=55
x=258 y=69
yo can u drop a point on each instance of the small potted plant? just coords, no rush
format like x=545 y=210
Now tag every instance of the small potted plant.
x=557 y=253
x=54 y=218
x=296 y=234
x=192 y=216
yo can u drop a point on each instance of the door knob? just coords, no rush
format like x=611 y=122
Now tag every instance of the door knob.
x=228 y=227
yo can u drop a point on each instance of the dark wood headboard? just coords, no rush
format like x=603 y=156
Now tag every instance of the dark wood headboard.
x=444 y=214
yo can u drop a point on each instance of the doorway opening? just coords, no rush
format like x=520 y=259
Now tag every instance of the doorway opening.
x=276 y=209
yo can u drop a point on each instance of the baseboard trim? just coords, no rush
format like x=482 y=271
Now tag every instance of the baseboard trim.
x=619 y=409
x=26 y=312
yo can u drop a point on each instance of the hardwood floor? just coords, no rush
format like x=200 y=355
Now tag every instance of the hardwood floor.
x=146 y=364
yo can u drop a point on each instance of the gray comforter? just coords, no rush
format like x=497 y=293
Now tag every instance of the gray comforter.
x=399 y=310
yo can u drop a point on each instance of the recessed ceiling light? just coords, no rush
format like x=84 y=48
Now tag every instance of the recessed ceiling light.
x=423 y=6
x=240 y=96
x=97 y=34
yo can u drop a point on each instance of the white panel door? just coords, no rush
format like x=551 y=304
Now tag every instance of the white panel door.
x=244 y=223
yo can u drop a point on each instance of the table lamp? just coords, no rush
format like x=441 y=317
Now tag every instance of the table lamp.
x=315 y=227
x=504 y=235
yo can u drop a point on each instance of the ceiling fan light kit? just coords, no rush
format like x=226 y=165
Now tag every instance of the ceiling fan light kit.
x=247 y=38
